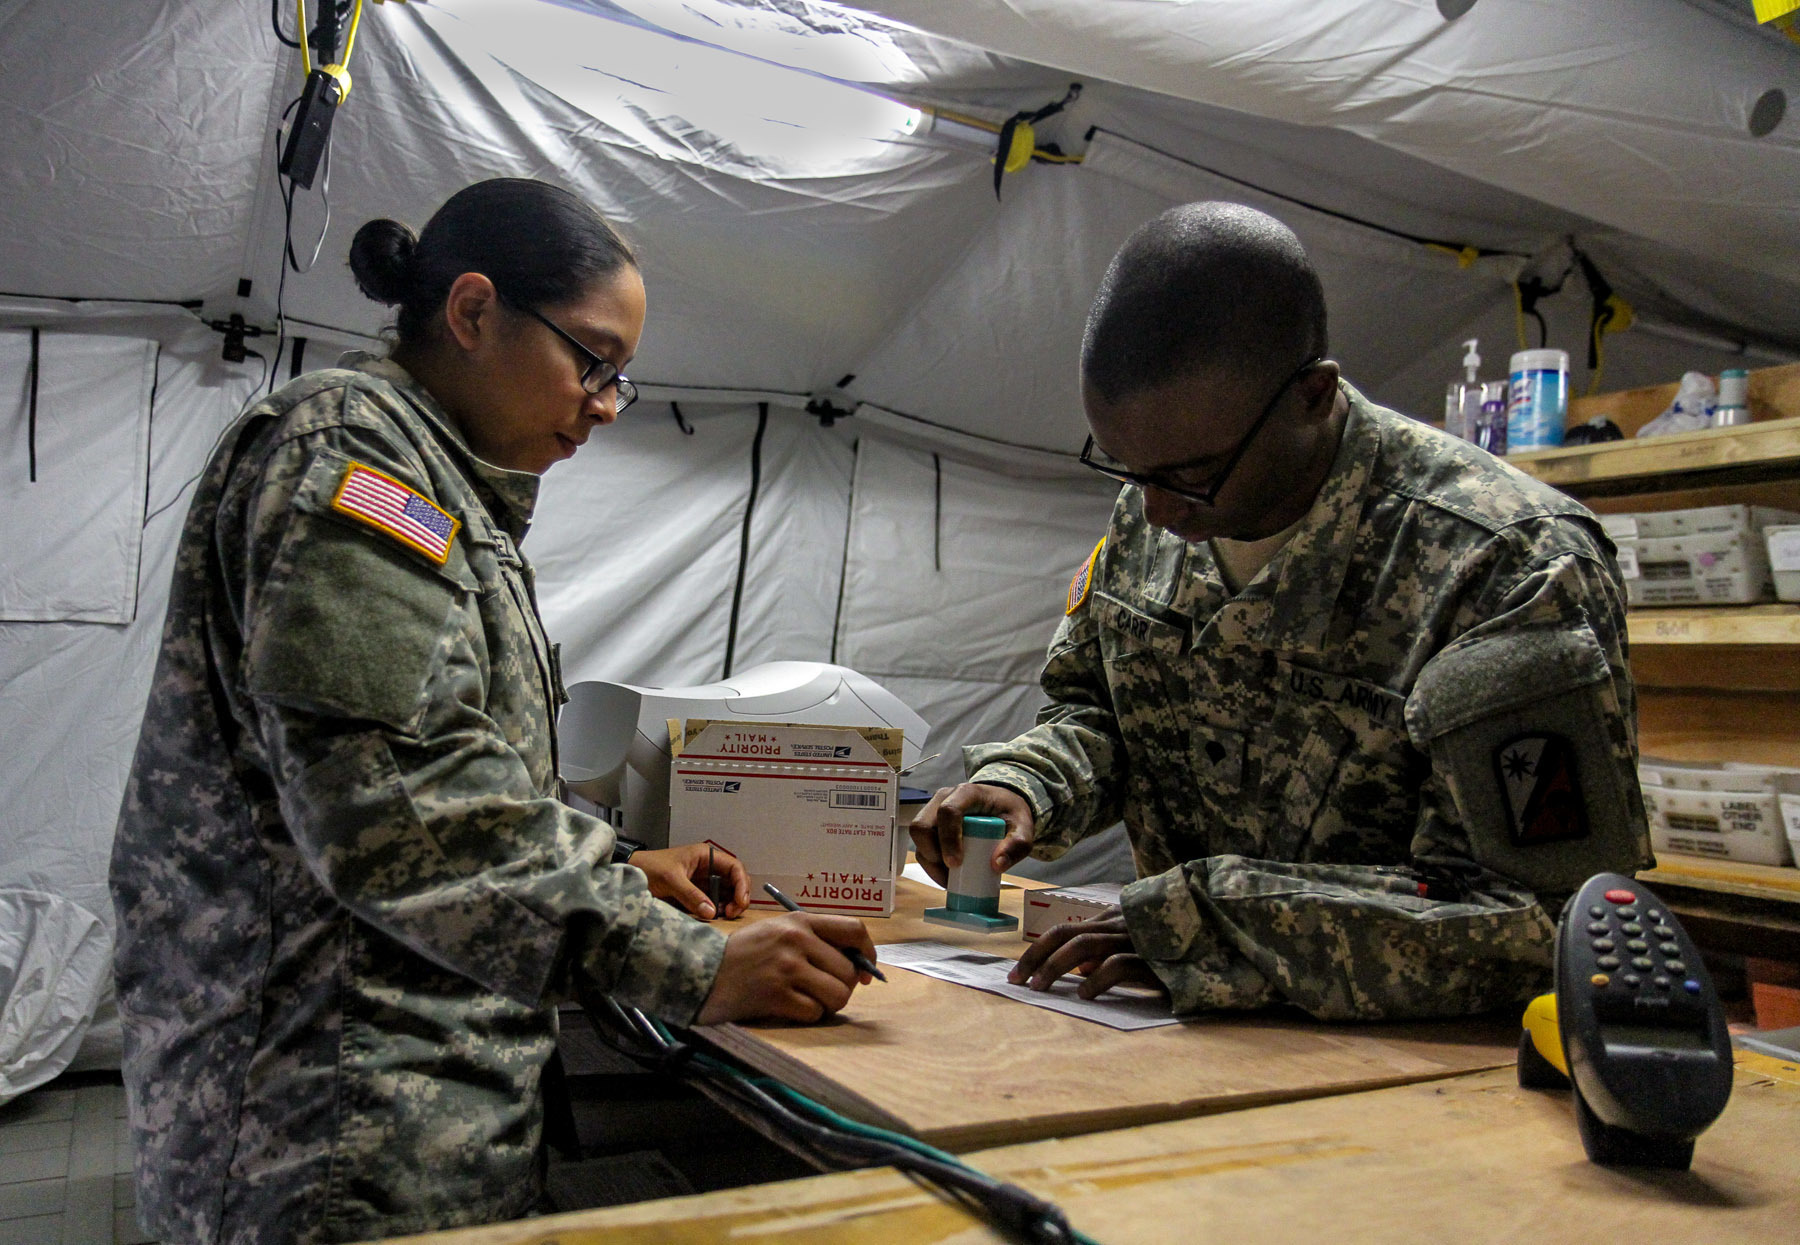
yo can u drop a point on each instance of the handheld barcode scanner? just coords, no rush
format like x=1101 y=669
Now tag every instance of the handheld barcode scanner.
x=1634 y=1024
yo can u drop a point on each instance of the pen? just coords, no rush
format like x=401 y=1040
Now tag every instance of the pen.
x=862 y=962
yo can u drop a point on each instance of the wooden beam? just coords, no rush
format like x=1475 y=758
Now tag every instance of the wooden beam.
x=1751 y=452
x=1746 y=625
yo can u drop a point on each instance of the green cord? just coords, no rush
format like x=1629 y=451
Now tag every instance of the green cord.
x=843 y=1122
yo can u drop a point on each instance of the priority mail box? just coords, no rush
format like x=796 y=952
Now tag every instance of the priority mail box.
x=1730 y=811
x=1726 y=825
x=809 y=808
x=1729 y=567
x=1694 y=521
x=1783 y=542
x=1061 y=905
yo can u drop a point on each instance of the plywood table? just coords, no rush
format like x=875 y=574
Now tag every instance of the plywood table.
x=964 y=1069
x=1472 y=1159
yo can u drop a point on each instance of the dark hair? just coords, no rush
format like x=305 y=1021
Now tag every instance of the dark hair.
x=538 y=244
x=1203 y=285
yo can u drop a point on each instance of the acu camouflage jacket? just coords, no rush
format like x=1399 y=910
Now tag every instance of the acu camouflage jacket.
x=348 y=895
x=1309 y=771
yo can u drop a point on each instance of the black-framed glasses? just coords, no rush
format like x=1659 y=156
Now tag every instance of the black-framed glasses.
x=598 y=372
x=1097 y=458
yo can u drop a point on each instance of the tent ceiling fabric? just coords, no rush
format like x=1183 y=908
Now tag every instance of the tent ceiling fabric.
x=781 y=260
x=130 y=141
x=1634 y=113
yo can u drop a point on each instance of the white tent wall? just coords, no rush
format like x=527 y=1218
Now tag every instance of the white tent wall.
x=74 y=692
x=931 y=572
x=953 y=584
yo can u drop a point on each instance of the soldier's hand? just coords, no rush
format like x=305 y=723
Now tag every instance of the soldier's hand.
x=1099 y=947
x=787 y=968
x=937 y=828
x=678 y=873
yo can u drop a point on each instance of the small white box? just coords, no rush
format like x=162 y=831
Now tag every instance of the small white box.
x=1783 y=541
x=809 y=808
x=1046 y=908
x=1790 y=816
x=1704 y=568
x=1723 y=825
x=1695 y=521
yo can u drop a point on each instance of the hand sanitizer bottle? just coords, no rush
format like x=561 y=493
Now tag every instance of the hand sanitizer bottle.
x=1462 y=400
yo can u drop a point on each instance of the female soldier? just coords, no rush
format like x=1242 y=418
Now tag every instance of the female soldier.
x=348 y=895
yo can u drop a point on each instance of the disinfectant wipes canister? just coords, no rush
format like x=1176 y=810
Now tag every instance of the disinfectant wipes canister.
x=1537 y=400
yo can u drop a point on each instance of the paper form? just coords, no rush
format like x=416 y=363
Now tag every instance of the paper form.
x=984 y=970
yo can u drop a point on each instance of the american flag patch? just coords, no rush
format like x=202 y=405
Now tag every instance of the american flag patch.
x=1084 y=580
x=385 y=503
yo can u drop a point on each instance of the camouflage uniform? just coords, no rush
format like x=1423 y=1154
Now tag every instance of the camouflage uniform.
x=348 y=895
x=1311 y=770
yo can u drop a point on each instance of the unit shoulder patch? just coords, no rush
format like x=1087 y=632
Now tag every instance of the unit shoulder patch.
x=1543 y=798
x=1083 y=583
x=385 y=504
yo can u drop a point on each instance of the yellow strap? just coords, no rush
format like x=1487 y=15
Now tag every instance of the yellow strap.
x=1024 y=142
x=340 y=70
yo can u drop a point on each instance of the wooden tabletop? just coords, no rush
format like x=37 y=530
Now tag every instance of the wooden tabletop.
x=1472 y=1159
x=964 y=1069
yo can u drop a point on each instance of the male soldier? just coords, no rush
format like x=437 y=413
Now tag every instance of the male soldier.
x=1358 y=689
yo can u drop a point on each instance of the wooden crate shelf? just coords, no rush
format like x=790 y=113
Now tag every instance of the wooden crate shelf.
x=1748 y=625
x=1767 y=450
x=1728 y=877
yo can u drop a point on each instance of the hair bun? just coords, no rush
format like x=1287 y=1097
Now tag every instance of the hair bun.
x=381 y=258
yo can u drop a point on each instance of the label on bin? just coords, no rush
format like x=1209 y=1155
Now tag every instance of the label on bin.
x=1784 y=550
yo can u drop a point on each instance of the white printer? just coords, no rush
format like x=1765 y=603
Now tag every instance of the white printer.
x=614 y=737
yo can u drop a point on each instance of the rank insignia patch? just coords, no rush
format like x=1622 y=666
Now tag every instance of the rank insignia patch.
x=1084 y=579
x=1538 y=783
x=389 y=506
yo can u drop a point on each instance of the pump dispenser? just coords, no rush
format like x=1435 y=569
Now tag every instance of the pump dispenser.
x=1462 y=400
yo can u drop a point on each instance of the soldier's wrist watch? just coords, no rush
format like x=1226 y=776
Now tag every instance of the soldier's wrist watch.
x=623 y=848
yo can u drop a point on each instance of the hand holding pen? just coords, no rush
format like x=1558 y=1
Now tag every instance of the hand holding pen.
x=862 y=962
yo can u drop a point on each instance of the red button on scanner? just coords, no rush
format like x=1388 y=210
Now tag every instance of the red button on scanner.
x=1620 y=897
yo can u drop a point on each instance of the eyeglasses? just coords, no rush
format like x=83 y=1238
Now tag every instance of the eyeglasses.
x=1097 y=458
x=599 y=372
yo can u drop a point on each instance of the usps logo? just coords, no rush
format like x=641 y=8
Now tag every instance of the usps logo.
x=840 y=750
x=732 y=788
x=1542 y=794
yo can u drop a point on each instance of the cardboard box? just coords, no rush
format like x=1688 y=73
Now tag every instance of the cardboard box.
x=1046 y=908
x=1651 y=524
x=1722 y=825
x=809 y=808
x=1709 y=567
x=1783 y=541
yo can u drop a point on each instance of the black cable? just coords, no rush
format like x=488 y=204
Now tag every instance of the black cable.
x=937 y=513
x=1014 y=1209
x=737 y=590
x=837 y=617
x=1390 y=231
x=31 y=417
x=275 y=21
x=186 y=304
x=296 y=357
x=288 y=259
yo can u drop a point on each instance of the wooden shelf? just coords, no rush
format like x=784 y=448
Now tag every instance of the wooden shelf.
x=1766 y=450
x=1716 y=624
x=1728 y=877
